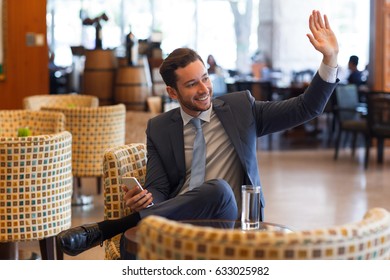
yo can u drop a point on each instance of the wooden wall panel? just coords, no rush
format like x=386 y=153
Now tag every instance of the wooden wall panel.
x=379 y=78
x=26 y=66
x=386 y=48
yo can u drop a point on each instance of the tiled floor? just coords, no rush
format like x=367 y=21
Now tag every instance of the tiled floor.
x=303 y=186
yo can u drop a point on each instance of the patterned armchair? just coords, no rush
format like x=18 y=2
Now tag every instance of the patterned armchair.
x=124 y=160
x=39 y=123
x=94 y=130
x=35 y=180
x=369 y=238
x=36 y=102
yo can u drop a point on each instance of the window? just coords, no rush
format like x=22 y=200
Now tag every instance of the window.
x=205 y=25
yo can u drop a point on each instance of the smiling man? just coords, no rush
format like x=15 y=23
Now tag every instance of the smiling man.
x=193 y=88
x=230 y=125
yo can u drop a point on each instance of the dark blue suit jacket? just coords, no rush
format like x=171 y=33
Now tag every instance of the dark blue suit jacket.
x=244 y=120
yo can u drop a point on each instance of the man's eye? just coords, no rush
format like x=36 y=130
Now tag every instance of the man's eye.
x=190 y=85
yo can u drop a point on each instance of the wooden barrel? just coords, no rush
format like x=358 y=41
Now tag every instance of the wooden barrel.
x=122 y=61
x=99 y=75
x=133 y=86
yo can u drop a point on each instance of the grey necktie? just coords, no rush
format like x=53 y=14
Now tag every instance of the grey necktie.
x=198 y=156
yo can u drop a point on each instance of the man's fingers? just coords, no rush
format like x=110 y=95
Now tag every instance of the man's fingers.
x=319 y=21
x=138 y=201
x=316 y=23
x=143 y=202
x=327 y=25
x=313 y=41
x=311 y=38
x=124 y=188
x=312 y=25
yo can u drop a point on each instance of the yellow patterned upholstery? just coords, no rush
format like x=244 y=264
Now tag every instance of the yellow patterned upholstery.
x=39 y=123
x=94 y=130
x=36 y=102
x=369 y=238
x=129 y=160
x=35 y=178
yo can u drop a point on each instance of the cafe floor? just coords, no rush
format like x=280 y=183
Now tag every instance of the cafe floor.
x=304 y=186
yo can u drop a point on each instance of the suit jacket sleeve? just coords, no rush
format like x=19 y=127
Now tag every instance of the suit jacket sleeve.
x=165 y=159
x=281 y=115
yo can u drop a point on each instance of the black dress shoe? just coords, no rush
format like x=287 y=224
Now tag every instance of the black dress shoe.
x=76 y=240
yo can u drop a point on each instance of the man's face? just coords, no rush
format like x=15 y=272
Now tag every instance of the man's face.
x=194 y=88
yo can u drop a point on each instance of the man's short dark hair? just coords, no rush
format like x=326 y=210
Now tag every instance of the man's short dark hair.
x=179 y=58
x=354 y=60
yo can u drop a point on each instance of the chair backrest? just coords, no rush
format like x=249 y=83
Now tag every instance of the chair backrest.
x=39 y=123
x=94 y=130
x=123 y=160
x=36 y=102
x=160 y=238
x=347 y=102
x=304 y=76
x=379 y=114
x=35 y=186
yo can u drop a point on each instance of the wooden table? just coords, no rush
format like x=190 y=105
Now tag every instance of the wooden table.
x=131 y=242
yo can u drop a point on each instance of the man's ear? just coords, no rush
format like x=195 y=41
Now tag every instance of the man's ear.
x=172 y=92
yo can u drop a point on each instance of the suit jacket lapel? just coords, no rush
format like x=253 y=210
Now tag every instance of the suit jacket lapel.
x=226 y=117
x=177 y=141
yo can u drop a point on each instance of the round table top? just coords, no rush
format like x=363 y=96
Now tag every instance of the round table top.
x=130 y=236
x=227 y=224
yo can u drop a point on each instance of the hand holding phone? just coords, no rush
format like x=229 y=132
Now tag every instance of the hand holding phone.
x=132 y=182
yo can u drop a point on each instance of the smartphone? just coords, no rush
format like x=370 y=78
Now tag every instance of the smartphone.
x=132 y=182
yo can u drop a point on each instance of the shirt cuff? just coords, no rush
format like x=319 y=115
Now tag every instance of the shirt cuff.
x=327 y=73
